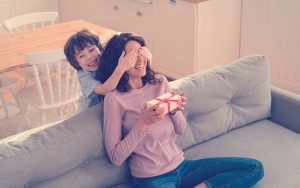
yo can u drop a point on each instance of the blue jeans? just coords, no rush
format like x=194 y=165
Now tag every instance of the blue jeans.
x=229 y=172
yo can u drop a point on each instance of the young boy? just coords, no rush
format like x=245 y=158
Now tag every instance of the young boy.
x=83 y=52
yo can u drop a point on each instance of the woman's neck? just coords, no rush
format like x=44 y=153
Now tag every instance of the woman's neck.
x=136 y=83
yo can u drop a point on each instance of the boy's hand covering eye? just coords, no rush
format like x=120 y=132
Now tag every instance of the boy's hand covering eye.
x=127 y=61
x=146 y=53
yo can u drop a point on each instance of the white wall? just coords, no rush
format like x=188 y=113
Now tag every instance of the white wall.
x=272 y=28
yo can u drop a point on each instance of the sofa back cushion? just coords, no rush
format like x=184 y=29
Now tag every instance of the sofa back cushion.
x=224 y=98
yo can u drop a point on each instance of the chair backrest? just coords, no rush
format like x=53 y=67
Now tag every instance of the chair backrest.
x=55 y=80
x=0 y=28
x=30 y=21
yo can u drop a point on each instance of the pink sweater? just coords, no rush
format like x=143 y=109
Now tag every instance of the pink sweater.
x=148 y=153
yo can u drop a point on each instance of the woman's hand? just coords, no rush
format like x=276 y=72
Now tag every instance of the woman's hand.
x=127 y=61
x=145 y=53
x=150 y=116
x=180 y=104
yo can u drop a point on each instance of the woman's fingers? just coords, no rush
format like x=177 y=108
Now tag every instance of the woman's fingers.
x=183 y=101
x=156 y=112
x=154 y=107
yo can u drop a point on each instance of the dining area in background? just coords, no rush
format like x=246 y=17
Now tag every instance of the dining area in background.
x=14 y=50
x=19 y=23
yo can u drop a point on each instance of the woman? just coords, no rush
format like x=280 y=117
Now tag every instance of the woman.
x=145 y=138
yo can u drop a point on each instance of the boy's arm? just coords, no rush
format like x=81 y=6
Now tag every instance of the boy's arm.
x=146 y=54
x=125 y=62
x=111 y=83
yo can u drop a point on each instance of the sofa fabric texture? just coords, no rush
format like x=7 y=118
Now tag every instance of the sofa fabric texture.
x=225 y=98
x=229 y=113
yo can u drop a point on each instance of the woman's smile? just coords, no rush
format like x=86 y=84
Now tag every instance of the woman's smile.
x=140 y=66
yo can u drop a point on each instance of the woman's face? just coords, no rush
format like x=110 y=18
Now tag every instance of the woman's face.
x=139 y=69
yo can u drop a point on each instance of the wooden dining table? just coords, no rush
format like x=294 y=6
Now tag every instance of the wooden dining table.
x=14 y=46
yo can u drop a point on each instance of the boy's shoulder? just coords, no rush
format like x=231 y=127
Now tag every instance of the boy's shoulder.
x=84 y=73
x=87 y=79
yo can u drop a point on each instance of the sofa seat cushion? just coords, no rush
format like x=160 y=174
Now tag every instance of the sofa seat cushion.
x=275 y=146
x=93 y=173
x=225 y=98
x=123 y=185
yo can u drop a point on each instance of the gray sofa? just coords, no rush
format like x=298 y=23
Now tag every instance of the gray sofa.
x=232 y=111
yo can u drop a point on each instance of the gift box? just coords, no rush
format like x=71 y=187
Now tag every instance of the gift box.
x=169 y=101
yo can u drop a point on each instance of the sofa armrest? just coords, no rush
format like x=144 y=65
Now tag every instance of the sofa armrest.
x=285 y=109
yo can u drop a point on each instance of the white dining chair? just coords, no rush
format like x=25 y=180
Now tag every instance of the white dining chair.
x=55 y=85
x=2 y=30
x=8 y=84
x=30 y=21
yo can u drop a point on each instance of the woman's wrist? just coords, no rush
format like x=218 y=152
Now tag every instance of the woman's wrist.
x=172 y=114
x=142 y=126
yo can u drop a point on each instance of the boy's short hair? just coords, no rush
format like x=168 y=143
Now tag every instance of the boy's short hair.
x=77 y=43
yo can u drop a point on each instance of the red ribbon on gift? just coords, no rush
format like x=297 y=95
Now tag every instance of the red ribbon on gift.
x=168 y=101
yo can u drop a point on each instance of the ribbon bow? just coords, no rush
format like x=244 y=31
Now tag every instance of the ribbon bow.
x=168 y=101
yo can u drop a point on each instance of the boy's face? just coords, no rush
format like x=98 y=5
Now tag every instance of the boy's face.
x=88 y=58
